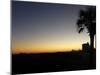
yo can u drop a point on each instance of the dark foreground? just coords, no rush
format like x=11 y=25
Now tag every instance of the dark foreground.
x=52 y=62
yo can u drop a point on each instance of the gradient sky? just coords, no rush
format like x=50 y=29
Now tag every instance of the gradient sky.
x=42 y=27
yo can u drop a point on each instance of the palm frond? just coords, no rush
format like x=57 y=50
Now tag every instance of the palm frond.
x=87 y=20
x=79 y=23
x=82 y=13
x=81 y=30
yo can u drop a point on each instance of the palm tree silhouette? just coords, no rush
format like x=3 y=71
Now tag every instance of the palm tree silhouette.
x=87 y=20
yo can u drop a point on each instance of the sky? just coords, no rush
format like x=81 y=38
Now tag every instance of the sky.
x=45 y=27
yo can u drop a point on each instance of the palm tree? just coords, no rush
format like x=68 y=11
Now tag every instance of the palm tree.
x=87 y=20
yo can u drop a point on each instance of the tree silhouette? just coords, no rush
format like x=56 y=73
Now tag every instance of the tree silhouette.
x=87 y=20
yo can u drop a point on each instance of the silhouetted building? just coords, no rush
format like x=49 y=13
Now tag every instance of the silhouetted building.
x=85 y=47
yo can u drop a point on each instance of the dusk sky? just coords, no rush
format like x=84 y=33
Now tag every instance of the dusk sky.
x=42 y=27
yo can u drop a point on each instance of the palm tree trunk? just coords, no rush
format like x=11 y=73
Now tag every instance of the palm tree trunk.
x=92 y=42
x=91 y=50
x=95 y=41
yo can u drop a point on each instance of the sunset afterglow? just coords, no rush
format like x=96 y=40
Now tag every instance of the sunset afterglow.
x=40 y=27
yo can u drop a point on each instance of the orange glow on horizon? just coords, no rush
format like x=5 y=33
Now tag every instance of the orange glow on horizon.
x=46 y=49
x=41 y=51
